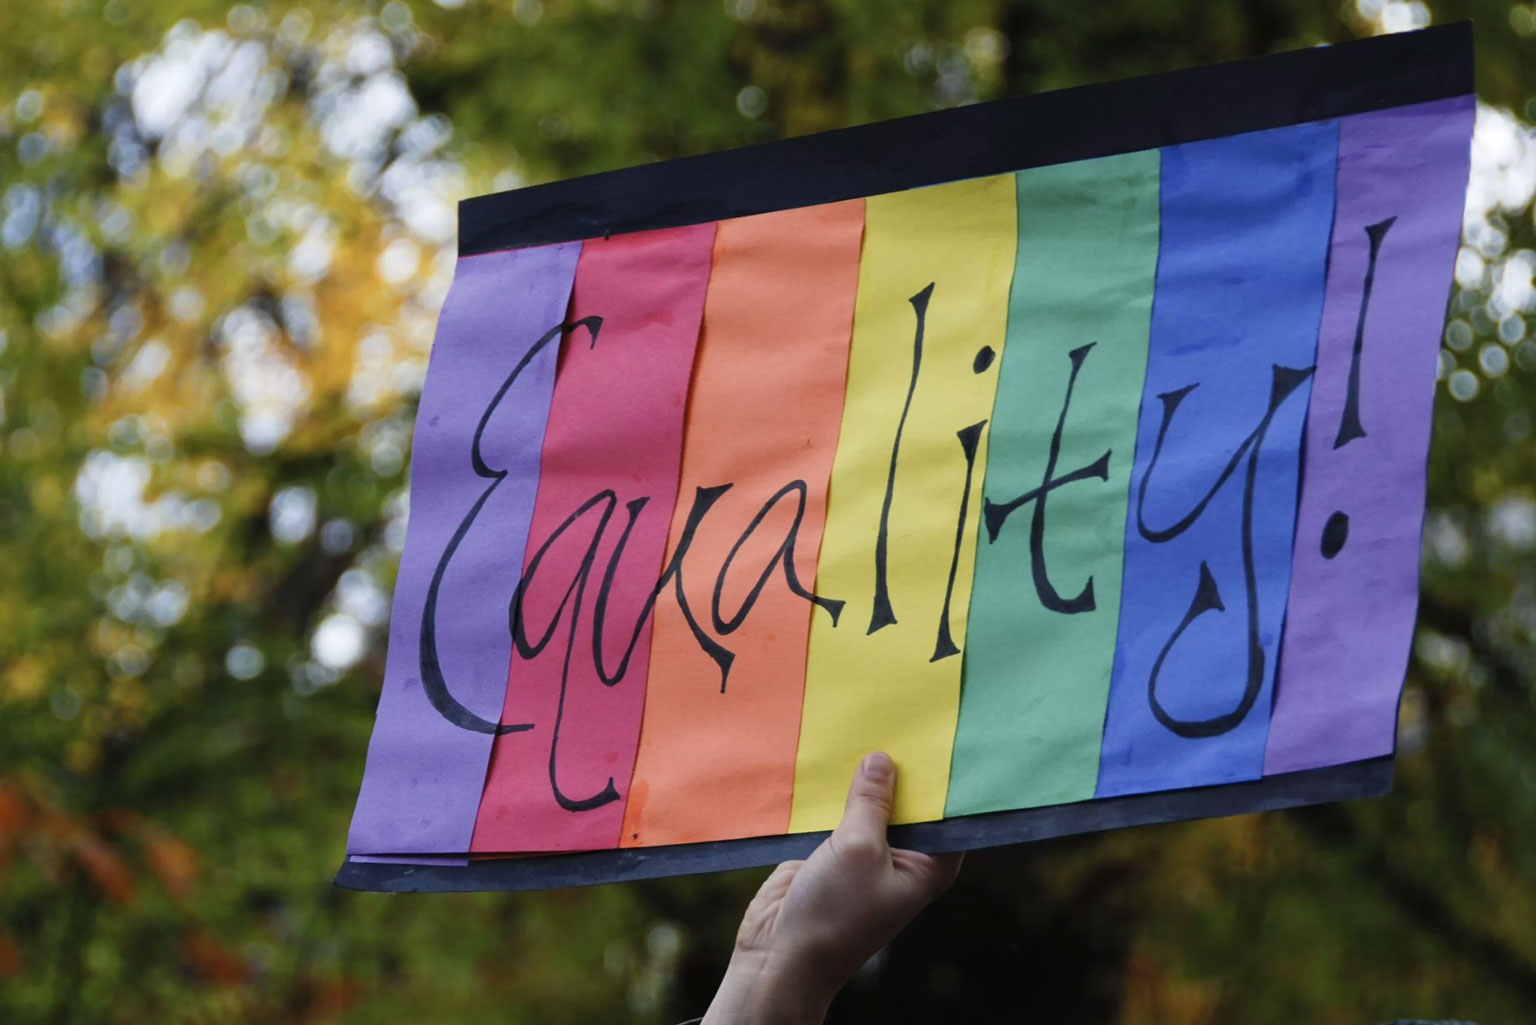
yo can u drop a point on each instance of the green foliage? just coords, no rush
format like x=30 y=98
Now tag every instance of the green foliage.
x=222 y=239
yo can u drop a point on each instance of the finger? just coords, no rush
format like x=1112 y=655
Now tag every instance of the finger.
x=945 y=870
x=757 y=923
x=870 y=796
x=777 y=883
x=933 y=873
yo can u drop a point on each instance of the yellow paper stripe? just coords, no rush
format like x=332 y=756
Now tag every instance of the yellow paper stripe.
x=885 y=678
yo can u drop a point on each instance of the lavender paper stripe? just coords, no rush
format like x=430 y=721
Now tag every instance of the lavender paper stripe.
x=1349 y=620
x=421 y=787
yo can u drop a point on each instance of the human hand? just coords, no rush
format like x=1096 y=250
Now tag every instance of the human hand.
x=814 y=922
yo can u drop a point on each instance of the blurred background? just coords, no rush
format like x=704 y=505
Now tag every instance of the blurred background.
x=225 y=232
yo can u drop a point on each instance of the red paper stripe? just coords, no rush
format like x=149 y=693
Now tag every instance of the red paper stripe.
x=607 y=487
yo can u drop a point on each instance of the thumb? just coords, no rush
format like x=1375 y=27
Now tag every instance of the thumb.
x=870 y=798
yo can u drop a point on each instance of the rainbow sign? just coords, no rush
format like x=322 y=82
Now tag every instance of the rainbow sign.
x=1083 y=476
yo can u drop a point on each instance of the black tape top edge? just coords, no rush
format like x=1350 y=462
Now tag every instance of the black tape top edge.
x=982 y=139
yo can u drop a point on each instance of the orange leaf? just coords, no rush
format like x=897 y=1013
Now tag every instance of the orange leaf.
x=172 y=862
x=212 y=960
x=104 y=868
x=13 y=812
x=10 y=956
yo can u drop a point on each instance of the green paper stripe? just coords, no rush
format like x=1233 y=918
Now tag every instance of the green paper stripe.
x=1036 y=681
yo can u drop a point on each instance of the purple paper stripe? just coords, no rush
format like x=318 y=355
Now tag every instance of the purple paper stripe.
x=1354 y=576
x=491 y=376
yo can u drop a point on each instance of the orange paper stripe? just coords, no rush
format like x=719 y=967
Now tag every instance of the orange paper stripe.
x=764 y=411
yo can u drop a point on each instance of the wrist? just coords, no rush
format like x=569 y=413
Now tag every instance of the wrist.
x=758 y=990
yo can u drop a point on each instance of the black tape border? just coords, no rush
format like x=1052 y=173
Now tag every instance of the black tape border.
x=983 y=139
x=1370 y=778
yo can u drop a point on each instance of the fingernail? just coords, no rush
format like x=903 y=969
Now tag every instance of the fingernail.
x=878 y=767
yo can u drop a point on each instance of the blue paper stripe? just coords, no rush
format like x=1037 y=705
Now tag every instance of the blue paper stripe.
x=1244 y=241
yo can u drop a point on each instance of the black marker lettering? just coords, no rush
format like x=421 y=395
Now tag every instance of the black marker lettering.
x=1336 y=530
x=1283 y=382
x=1207 y=599
x=703 y=499
x=1350 y=426
x=996 y=514
x=783 y=556
x=883 y=615
x=433 y=685
x=574 y=593
x=970 y=438
x=1335 y=533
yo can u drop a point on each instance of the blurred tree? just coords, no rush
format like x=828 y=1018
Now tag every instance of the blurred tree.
x=225 y=235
